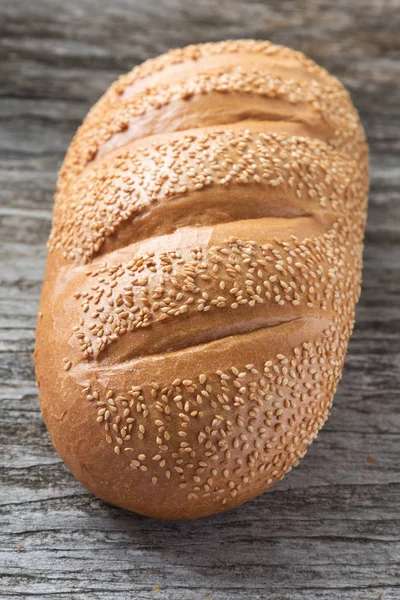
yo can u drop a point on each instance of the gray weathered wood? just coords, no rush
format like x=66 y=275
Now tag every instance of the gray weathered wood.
x=331 y=530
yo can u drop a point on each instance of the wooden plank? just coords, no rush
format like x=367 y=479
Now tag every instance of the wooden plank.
x=330 y=530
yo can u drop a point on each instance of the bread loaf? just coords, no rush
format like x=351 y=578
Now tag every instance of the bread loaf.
x=203 y=270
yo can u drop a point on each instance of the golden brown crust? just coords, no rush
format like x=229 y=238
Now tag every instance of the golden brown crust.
x=204 y=266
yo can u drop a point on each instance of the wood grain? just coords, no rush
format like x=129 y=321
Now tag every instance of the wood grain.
x=331 y=530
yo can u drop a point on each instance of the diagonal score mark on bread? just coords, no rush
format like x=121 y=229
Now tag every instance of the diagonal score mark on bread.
x=252 y=174
x=182 y=63
x=224 y=97
x=143 y=294
x=204 y=267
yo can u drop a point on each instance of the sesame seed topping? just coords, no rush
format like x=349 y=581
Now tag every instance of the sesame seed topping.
x=213 y=429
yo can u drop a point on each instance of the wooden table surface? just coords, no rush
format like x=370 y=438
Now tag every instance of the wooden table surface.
x=331 y=529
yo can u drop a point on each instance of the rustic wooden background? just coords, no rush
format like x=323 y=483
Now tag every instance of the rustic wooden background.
x=331 y=530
